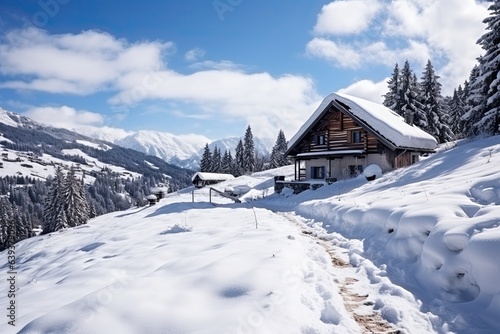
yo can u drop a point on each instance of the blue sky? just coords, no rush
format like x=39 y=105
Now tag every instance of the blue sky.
x=207 y=69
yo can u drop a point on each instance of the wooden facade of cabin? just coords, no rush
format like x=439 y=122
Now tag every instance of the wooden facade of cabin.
x=339 y=146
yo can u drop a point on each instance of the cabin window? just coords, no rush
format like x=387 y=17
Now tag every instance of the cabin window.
x=318 y=172
x=355 y=170
x=356 y=137
x=320 y=140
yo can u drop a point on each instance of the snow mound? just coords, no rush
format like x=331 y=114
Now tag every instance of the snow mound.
x=372 y=172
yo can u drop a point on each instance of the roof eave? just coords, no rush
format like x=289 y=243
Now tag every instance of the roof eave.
x=320 y=116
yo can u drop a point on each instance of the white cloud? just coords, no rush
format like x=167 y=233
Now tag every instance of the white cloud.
x=194 y=54
x=341 y=54
x=64 y=117
x=357 y=55
x=368 y=90
x=346 y=17
x=216 y=65
x=237 y=95
x=73 y=63
x=132 y=73
x=444 y=31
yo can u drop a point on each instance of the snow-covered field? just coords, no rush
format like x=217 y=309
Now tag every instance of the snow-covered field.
x=415 y=251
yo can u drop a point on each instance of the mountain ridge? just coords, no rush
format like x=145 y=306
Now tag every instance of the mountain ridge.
x=181 y=150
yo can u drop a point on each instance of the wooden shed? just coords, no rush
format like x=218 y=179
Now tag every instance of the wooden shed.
x=202 y=179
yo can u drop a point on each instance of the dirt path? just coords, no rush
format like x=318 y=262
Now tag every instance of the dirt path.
x=359 y=305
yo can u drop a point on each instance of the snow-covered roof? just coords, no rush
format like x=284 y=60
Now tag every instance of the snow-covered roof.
x=380 y=120
x=204 y=176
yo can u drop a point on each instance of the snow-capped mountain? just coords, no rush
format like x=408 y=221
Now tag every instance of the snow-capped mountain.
x=161 y=144
x=13 y=119
x=181 y=150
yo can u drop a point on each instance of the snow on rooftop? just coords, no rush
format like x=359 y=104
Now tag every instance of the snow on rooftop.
x=381 y=119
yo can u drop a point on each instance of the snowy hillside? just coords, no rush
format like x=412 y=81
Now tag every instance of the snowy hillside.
x=181 y=150
x=34 y=150
x=5 y=118
x=19 y=163
x=414 y=251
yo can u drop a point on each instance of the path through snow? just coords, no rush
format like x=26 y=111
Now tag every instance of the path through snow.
x=368 y=296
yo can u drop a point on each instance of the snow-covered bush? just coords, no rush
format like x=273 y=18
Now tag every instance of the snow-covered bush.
x=178 y=228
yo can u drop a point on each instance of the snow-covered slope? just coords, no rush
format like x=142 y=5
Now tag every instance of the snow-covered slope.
x=183 y=267
x=5 y=118
x=415 y=250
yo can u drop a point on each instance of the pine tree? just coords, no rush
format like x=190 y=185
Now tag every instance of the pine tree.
x=278 y=158
x=216 y=165
x=392 y=99
x=489 y=64
x=206 y=160
x=239 y=160
x=433 y=105
x=248 y=151
x=411 y=108
x=456 y=111
x=53 y=204
x=474 y=103
x=5 y=219
x=227 y=162
x=74 y=200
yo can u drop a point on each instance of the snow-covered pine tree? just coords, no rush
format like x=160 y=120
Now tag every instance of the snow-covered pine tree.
x=216 y=161
x=239 y=159
x=5 y=218
x=489 y=64
x=54 y=204
x=456 y=111
x=227 y=162
x=433 y=105
x=206 y=160
x=74 y=200
x=411 y=108
x=249 y=151
x=22 y=224
x=278 y=158
x=474 y=106
x=392 y=99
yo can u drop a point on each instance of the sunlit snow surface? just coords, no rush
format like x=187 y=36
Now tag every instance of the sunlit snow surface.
x=416 y=250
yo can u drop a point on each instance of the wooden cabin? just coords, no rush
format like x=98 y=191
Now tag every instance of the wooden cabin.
x=202 y=179
x=345 y=134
